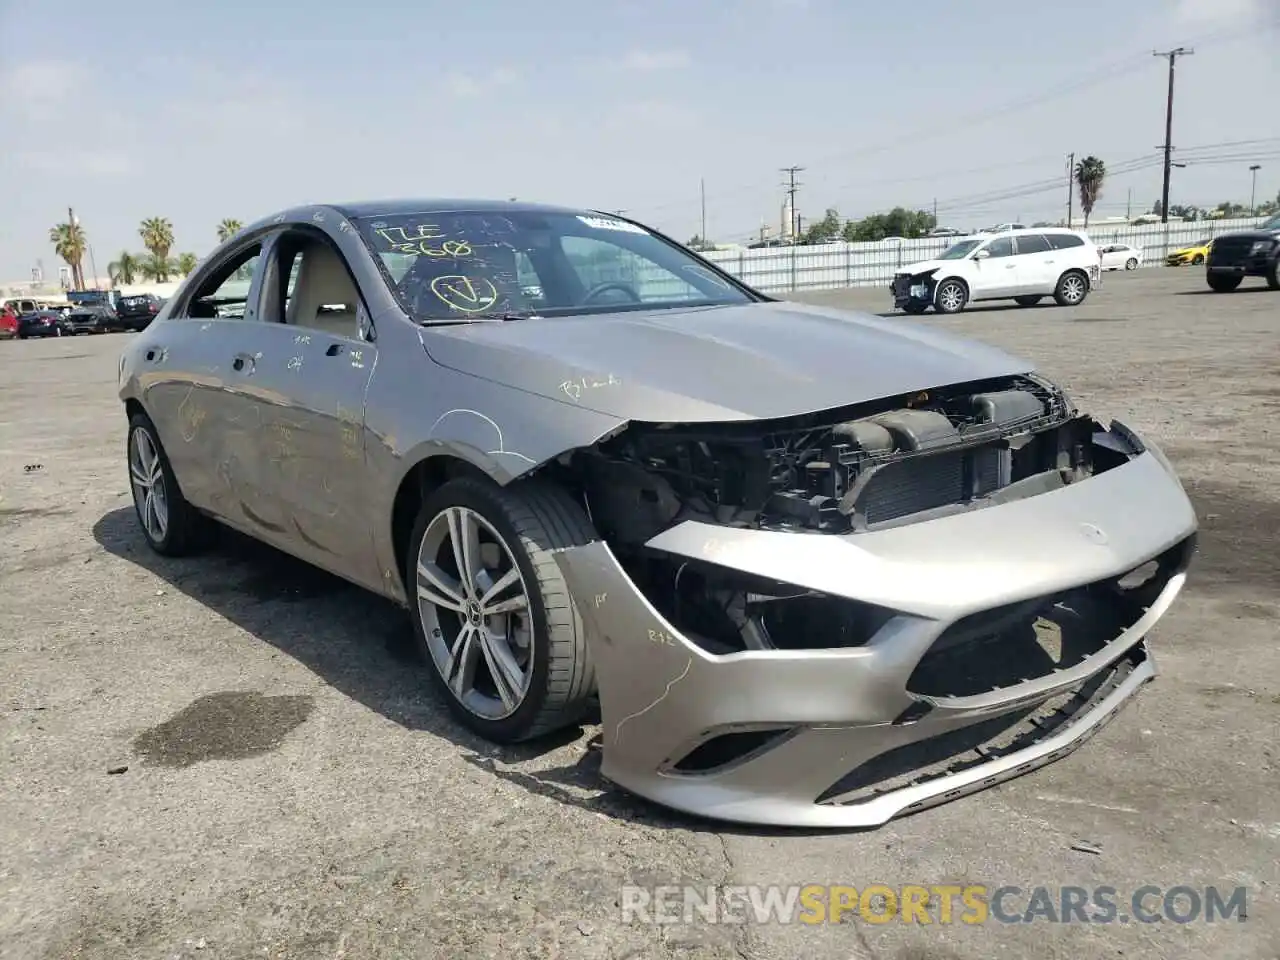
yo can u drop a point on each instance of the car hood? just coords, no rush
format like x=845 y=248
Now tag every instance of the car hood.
x=923 y=266
x=758 y=360
x=1255 y=234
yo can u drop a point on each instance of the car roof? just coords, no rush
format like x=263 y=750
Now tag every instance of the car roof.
x=407 y=206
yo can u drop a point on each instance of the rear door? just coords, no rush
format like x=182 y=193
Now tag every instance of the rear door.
x=1035 y=264
x=188 y=388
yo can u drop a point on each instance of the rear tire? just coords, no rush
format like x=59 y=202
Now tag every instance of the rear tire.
x=172 y=526
x=1131 y=264
x=1224 y=283
x=515 y=532
x=1273 y=275
x=951 y=296
x=1073 y=287
x=1029 y=301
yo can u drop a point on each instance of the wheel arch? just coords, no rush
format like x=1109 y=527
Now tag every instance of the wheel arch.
x=1088 y=283
x=948 y=278
x=426 y=474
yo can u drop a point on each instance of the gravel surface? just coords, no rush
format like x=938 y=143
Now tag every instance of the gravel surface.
x=237 y=756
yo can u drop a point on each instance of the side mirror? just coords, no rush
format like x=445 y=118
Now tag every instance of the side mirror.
x=982 y=254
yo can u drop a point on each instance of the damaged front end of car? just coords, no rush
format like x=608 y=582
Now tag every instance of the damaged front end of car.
x=834 y=619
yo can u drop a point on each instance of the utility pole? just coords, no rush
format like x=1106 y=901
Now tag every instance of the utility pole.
x=702 y=185
x=791 y=186
x=1071 y=186
x=1128 y=206
x=1253 y=189
x=935 y=212
x=1172 y=56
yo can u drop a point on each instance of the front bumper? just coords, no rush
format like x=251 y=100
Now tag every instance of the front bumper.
x=1256 y=266
x=907 y=289
x=837 y=737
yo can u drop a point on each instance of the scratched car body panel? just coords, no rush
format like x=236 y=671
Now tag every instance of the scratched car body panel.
x=817 y=568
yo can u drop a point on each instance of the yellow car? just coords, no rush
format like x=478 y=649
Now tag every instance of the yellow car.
x=1195 y=254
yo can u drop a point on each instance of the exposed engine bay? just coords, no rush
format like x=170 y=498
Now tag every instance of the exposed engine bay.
x=891 y=462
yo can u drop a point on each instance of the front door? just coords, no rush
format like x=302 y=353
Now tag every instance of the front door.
x=311 y=370
x=996 y=274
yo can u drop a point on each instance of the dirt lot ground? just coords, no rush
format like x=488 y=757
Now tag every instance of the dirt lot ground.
x=291 y=791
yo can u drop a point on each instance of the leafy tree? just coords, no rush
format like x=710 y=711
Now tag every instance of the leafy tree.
x=898 y=222
x=187 y=263
x=825 y=230
x=696 y=243
x=157 y=268
x=124 y=269
x=1089 y=174
x=1229 y=209
x=70 y=243
x=157 y=237
x=228 y=228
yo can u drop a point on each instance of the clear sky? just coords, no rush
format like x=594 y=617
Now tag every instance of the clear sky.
x=197 y=112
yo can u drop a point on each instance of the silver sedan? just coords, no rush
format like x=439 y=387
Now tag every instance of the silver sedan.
x=813 y=567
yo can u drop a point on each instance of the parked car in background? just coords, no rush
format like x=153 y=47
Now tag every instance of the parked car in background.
x=91 y=318
x=1195 y=254
x=1246 y=253
x=8 y=323
x=1120 y=256
x=137 y=312
x=1020 y=265
x=40 y=323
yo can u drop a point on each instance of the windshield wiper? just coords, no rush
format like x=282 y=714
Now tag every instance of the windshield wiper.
x=501 y=315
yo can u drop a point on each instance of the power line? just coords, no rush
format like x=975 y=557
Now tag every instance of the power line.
x=1172 y=56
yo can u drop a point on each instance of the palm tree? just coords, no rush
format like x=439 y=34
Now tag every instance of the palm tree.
x=125 y=269
x=70 y=243
x=157 y=237
x=187 y=263
x=1090 y=172
x=228 y=228
x=157 y=268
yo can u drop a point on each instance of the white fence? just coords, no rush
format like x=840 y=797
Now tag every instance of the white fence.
x=776 y=269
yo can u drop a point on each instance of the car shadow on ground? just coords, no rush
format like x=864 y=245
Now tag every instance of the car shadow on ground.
x=1206 y=290
x=362 y=646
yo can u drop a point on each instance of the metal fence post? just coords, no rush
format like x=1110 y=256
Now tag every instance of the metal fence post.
x=848 y=264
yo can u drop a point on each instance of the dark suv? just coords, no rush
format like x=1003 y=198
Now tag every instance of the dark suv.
x=137 y=312
x=1246 y=253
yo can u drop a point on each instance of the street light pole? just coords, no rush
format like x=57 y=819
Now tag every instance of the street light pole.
x=1253 y=189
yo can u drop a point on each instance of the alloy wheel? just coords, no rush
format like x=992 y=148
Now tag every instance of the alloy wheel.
x=1073 y=289
x=475 y=613
x=147 y=480
x=951 y=297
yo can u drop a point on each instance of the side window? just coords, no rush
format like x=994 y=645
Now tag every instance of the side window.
x=1032 y=243
x=1064 y=241
x=225 y=292
x=320 y=293
x=1003 y=247
x=598 y=261
x=529 y=280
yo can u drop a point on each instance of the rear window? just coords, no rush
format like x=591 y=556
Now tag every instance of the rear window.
x=1061 y=241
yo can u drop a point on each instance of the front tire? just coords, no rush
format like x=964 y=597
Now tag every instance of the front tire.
x=492 y=612
x=1224 y=283
x=951 y=296
x=1273 y=275
x=171 y=525
x=1073 y=287
x=1197 y=260
x=1131 y=264
x=914 y=307
x=1029 y=301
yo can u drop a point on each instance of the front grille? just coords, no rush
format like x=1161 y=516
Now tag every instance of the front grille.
x=1230 y=249
x=901 y=285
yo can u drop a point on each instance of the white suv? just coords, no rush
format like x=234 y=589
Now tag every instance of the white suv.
x=1021 y=265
